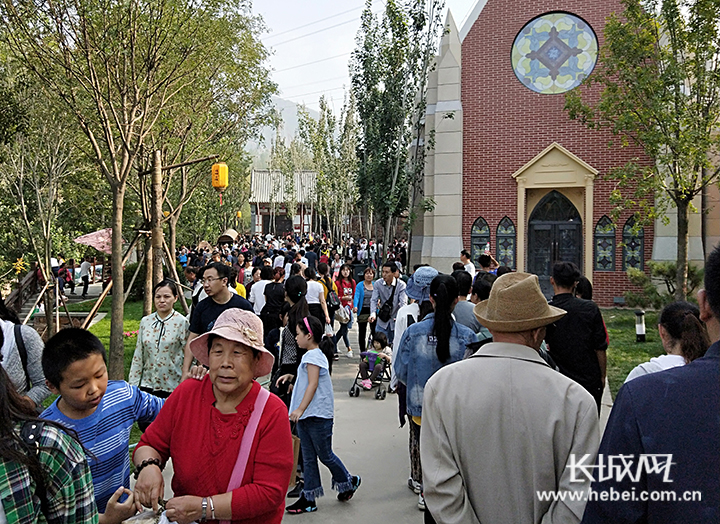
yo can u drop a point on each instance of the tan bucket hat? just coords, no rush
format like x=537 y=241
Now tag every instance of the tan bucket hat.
x=516 y=304
x=240 y=326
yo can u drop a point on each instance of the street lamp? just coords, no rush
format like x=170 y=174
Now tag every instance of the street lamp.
x=639 y=325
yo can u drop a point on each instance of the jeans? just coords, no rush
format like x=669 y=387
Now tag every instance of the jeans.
x=316 y=443
x=342 y=333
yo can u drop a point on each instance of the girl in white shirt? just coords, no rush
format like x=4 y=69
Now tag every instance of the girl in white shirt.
x=683 y=336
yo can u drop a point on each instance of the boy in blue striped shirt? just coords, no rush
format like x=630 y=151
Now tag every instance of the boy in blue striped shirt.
x=102 y=412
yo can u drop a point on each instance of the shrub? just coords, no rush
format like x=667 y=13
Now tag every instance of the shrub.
x=664 y=272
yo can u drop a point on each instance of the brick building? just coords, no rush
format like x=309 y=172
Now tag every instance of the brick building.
x=510 y=169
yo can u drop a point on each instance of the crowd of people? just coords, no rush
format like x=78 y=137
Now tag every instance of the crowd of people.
x=500 y=388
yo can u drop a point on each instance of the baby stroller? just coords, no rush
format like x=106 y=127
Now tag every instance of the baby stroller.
x=383 y=376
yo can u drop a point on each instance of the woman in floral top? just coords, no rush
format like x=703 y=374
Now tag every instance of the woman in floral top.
x=157 y=362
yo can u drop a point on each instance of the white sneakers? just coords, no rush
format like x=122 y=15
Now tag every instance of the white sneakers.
x=349 y=354
x=414 y=486
x=421 y=502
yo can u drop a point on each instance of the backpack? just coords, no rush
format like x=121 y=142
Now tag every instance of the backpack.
x=333 y=301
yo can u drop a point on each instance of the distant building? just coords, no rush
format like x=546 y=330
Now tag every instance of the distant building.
x=270 y=194
x=510 y=169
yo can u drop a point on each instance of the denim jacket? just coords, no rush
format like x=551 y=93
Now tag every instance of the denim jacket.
x=416 y=360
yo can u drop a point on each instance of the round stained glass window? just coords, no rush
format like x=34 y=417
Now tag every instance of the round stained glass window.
x=554 y=53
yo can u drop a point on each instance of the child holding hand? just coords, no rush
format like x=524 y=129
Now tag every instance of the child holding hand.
x=312 y=409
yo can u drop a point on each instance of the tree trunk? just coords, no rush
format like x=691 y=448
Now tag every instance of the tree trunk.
x=683 y=219
x=156 y=225
x=148 y=294
x=172 y=231
x=116 y=356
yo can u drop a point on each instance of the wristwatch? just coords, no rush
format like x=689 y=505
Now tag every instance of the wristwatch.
x=203 y=514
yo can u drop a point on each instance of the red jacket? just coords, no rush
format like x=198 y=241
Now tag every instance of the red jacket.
x=346 y=291
x=204 y=443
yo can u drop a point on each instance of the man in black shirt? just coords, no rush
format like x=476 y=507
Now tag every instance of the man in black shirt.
x=578 y=341
x=219 y=298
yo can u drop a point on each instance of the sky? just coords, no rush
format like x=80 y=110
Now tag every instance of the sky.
x=311 y=42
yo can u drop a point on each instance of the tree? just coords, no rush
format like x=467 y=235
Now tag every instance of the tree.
x=659 y=71
x=119 y=67
x=389 y=71
x=332 y=144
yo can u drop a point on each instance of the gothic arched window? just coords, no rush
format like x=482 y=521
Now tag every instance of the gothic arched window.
x=605 y=245
x=505 y=238
x=479 y=237
x=633 y=245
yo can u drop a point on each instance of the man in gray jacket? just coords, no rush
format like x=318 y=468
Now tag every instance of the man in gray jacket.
x=502 y=430
x=390 y=286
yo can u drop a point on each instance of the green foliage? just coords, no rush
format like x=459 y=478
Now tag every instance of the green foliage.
x=624 y=353
x=389 y=70
x=332 y=143
x=666 y=273
x=138 y=288
x=659 y=71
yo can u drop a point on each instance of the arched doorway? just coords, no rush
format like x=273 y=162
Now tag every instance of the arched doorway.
x=554 y=234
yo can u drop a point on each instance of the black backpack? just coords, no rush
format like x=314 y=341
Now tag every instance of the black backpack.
x=333 y=301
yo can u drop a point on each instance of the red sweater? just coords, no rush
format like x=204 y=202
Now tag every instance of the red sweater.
x=346 y=291
x=204 y=445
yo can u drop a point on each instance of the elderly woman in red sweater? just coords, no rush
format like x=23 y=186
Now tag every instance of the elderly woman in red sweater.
x=229 y=439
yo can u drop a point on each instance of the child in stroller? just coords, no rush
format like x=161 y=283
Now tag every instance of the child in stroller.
x=374 y=361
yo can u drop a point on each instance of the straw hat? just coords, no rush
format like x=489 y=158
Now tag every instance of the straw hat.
x=418 y=285
x=240 y=326
x=516 y=304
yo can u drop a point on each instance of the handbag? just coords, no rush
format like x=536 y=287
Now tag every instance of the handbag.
x=342 y=315
x=247 y=441
x=385 y=313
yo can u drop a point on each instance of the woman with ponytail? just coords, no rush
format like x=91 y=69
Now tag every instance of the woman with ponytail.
x=684 y=338
x=424 y=348
x=290 y=354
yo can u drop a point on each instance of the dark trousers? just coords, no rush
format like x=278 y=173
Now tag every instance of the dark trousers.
x=362 y=330
x=86 y=283
x=365 y=370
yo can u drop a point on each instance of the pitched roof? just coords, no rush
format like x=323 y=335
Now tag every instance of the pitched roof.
x=471 y=18
x=267 y=186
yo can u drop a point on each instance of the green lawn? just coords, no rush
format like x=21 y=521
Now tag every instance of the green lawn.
x=623 y=352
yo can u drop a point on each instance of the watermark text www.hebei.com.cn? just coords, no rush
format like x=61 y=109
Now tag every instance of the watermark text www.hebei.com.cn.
x=614 y=495
x=619 y=467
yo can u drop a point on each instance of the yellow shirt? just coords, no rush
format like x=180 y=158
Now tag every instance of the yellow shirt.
x=241 y=290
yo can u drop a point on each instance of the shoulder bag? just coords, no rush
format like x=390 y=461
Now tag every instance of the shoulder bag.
x=385 y=313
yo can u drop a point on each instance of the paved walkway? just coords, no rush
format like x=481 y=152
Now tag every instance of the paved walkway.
x=369 y=441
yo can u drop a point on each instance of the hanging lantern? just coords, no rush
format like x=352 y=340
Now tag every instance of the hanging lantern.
x=220 y=178
x=239 y=214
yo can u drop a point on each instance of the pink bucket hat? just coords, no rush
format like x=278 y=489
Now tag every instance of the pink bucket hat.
x=240 y=326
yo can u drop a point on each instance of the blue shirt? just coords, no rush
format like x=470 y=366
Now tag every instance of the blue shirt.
x=416 y=358
x=106 y=434
x=674 y=412
x=322 y=405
